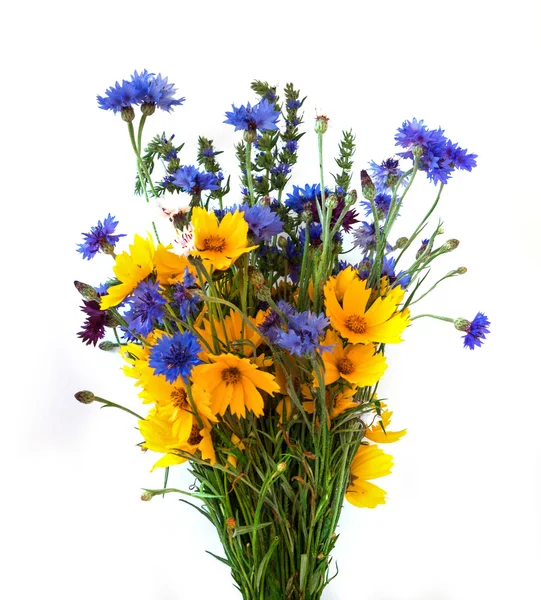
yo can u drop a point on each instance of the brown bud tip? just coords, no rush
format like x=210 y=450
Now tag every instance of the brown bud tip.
x=85 y=397
x=127 y=114
x=281 y=467
x=86 y=291
x=230 y=523
x=146 y=496
x=367 y=186
x=322 y=123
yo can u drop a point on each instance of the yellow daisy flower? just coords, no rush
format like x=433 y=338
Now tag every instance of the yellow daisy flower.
x=233 y=382
x=355 y=363
x=379 y=323
x=219 y=244
x=369 y=463
x=382 y=435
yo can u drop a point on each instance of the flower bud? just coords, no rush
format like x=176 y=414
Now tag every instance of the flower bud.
x=331 y=202
x=440 y=230
x=148 y=108
x=351 y=198
x=450 y=245
x=107 y=248
x=281 y=467
x=111 y=320
x=461 y=270
x=282 y=243
x=107 y=346
x=127 y=113
x=306 y=216
x=85 y=397
x=256 y=277
x=86 y=291
x=401 y=242
x=147 y=496
x=367 y=186
x=250 y=136
x=322 y=124
x=462 y=324
x=418 y=151
x=230 y=523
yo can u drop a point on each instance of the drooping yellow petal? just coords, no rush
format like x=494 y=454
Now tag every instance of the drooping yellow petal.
x=370 y=462
x=378 y=435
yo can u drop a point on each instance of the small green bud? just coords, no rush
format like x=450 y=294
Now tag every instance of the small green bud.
x=450 y=245
x=461 y=270
x=86 y=291
x=401 y=242
x=351 y=198
x=440 y=231
x=331 y=202
x=147 y=496
x=367 y=186
x=306 y=216
x=322 y=124
x=256 y=277
x=148 y=108
x=127 y=113
x=462 y=324
x=282 y=242
x=85 y=397
x=107 y=248
x=250 y=136
x=418 y=151
x=107 y=346
x=281 y=467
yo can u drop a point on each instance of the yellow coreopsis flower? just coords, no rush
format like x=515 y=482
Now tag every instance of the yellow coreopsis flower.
x=356 y=363
x=219 y=244
x=370 y=462
x=377 y=433
x=233 y=382
x=379 y=323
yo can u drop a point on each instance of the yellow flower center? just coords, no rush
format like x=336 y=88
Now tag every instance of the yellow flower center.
x=231 y=375
x=345 y=366
x=215 y=243
x=356 y=323
x=180 y=398
x=195 y=437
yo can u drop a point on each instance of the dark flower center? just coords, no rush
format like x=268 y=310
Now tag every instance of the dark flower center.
x=231 y=375
x=356 y=323
x=345 y=366
x=195 y=437
x=215 y=243
x=180 y=398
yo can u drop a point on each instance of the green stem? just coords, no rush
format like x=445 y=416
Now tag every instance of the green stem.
x=119 y=406
x=448 y=319
x=249 y=172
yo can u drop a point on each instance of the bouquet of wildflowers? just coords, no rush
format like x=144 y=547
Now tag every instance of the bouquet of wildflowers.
x=256 y=346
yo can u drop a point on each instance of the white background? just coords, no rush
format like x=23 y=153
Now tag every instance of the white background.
x=462 y=521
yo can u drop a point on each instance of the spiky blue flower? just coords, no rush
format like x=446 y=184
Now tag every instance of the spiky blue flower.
x=193 y=181
x=184 y=298
x=146 y=308
x=262 y=116
x=100 y=236
x=262 y=221
x=291 y=146
x=387 y=173
x=365 y=237
x=281 y=169
x=382 y=203
x=175 y=356
x=301 y=196
x=304 y=332
x=476 y=331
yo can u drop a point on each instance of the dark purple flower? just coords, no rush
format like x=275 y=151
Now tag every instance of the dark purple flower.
x=94 y=326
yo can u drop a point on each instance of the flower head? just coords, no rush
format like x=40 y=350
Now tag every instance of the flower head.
x=263 y=222
x=193 y=181
x=387 y=173
x=370 y=462
x=262 y=116
x=101 y=237
x=94 y=326
x=476 y=330
x=175 y=356
x=146 y=308
x=382 y=203
x=304 y=331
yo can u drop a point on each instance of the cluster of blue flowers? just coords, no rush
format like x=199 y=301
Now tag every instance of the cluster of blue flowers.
x=439 y=155
x=143 y=88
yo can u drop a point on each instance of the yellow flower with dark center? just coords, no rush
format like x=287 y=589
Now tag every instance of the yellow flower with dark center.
x=356 y=363
x=382 y=435
x=219 y=244
x=234 y=382
x=369 y=463
x=361 y=325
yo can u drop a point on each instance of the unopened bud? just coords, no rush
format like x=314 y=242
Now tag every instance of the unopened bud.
x=461 y=270
x=331 y=202
x=265 y=201
x=418 y=151
x=281 y=467
x=367 y=186
x=306 y=216
x=462 y=324
x=440 y=230
x=127 y=113
x=322 y=124
x=111 y=320
x=85 y=397
x=282 y=243
x=107 y=346
x=250 y=136
x=401 y=242
x=351 y=198
x=450 y=245
x=148 y=108
x=230 y=523
x=147 y=496
x=86 y=291
x=256 y=277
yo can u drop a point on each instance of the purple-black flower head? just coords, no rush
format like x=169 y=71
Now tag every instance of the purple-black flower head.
x=175 y=356
x=94 y=325
x=101 y=237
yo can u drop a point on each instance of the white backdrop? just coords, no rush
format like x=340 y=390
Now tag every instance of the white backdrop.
x=462 y=520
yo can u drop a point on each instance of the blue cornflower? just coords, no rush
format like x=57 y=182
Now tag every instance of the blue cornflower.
x=175 y=356
x=382 y=203
x=388 y=270
x=262 y=221
x=118 y=97
x=146 y=308
x=476 y=330
x=387 y=173
x=304 y=332
x=291 y=146
x=271 y=326
x=261 y=116
x=193 y=181
x=101 y=237
x=300 y=196
x=365 y=237
x=186 y=301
